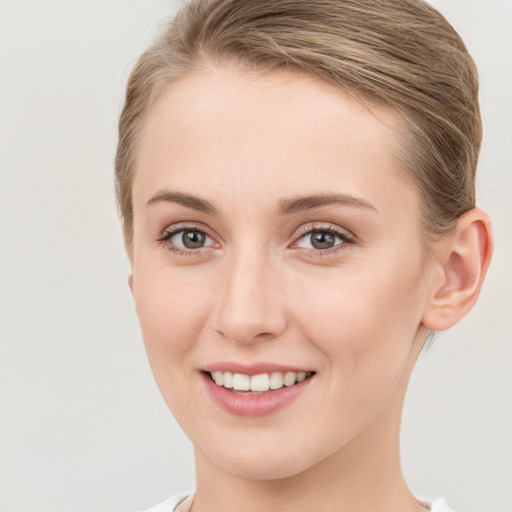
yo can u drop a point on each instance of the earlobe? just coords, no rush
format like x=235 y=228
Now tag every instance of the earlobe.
x=464 y=262
x=130 y=281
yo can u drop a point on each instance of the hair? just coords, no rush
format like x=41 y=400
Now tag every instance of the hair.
x=403 y=53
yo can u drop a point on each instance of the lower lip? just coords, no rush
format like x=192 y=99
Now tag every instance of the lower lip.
x=242 y=404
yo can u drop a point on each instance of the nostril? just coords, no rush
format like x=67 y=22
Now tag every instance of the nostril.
x=245 y=334
x=264 y=335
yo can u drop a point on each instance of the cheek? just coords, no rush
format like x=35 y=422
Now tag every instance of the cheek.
x=171 y=312
x=364 y=317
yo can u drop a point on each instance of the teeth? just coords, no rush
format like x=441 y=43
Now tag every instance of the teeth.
x=300 y=376
x=276 y=380
x=289 y=379
x=218 y=377
x=241 y=382
x=258 y=383
x=228 y=380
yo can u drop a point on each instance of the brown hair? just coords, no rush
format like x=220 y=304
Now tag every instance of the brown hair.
x=401 y=52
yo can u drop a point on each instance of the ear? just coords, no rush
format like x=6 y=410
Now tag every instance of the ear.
x=130 y=281
x=463 y=262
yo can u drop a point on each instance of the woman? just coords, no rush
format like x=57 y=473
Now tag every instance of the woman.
x=296 y=185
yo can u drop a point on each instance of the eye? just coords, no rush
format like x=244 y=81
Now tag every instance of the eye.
x=185 y=240
x=322 y=239
x=190 y=239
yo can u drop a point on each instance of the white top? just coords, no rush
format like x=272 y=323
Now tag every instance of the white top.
x=171 y=504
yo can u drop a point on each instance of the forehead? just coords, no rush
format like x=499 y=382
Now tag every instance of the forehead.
x=227 y=130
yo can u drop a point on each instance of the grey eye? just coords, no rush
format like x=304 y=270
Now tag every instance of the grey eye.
x=322 y=240
x=190 y=239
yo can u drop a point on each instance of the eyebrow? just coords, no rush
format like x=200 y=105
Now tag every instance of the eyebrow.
x=286 y=206
x=305 y=203
x=187 y=200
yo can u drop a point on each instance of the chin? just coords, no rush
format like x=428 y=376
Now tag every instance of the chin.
x=265 y=470
x=263 y=459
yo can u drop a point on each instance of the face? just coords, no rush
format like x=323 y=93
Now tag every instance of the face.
x=276 y=245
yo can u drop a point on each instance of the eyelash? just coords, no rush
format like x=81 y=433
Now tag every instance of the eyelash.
x=308 y=229
x=168 y=234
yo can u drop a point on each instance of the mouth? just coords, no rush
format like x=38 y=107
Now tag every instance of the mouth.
x=257 y=389
x=258 y=384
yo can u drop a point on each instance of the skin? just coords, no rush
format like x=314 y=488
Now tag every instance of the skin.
x=258 y=291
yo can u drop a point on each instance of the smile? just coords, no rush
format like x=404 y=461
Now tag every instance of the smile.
x=260 y=383
x=257 y=389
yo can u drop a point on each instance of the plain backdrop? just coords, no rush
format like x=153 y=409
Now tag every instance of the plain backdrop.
x=82 y=425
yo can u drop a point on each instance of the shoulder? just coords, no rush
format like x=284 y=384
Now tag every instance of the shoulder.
x=440 y=506
x=168 y=505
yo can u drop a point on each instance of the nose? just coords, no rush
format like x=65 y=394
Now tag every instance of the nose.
x=250 y=305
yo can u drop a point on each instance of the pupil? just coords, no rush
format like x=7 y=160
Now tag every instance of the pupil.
x=322 y=240
x=193 y=239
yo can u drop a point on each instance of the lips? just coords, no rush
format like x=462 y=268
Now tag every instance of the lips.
x=255 y=390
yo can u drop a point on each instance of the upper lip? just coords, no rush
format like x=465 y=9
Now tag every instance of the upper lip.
x=251 y=369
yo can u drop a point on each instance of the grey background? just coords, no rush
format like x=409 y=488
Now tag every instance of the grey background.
x=82 y=426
